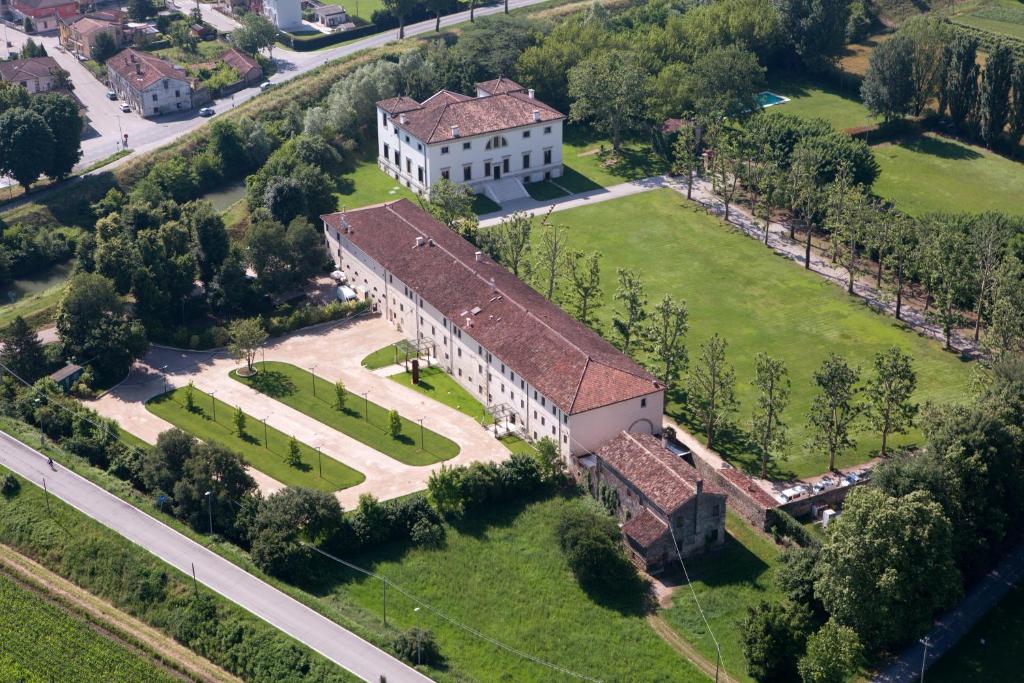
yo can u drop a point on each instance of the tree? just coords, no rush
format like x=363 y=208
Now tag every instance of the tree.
x=722 y=82
x=888 y=86
x=239 y=420
x=264 y=243
x=592 y=546
x=929 y=36
x=989 y=236
x=628 y=321
x=1006 y=331
x=190 y=397
x=163 y=464
x=712 y=388
x=686 y=154
x=550 y=256
x=400 y=9
x=340 y=395
x=849 y=216
x=294 y=453
x=305 y=243
x=888 y=406
x=834 y=654
x=771 y=381
x=994 y=96
x=417 y=646
x=32 y=49
x=452 y=204
x=210 y=236
x=182 y=37
x=62 y=117
x=284 y=199
x=903 y=240
x=1015 y=118
x=549 y=460
x=607 y=89
x=512 y=237
x=21 y=351
x=394 y=424
x=584 y=283
x=958 y=89
x=727 y=164
x=287 y=519
x=666 y=335
x=944 y=263
x=26 y=146
x=887 y=567
x=804 y=192
x=773 y=636
x=834 y=409
x=256 y=33
x=247 y=336
x=140 y=10
x=437 y=8
x=815 y=29
x=216 y=469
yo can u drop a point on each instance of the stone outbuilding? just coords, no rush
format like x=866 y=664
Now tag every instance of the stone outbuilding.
x=662 y=500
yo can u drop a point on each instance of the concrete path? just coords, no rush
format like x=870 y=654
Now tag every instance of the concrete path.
x=266 y=602
x=955 y=624
x=337 y=351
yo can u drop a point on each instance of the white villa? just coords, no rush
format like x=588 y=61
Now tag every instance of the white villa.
x=493 y=142
x=539 y=371
x=285 y=15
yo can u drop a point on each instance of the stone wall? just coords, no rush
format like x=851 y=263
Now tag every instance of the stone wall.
x=833 y=498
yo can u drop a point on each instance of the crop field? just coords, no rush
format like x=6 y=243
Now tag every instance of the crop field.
x=1001 y=17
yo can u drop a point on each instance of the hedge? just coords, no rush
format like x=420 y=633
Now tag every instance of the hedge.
x=301 y=43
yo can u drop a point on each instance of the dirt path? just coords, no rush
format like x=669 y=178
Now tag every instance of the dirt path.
x=120 y=625
x=676 y=642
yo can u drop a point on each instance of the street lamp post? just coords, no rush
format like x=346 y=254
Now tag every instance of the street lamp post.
x=213 y=397
x=924 y=657
x=266 y=443
x=366 y=406
x=421 y=434
x=209 y=508
x=312 y=374
x=319 y=461
x=263 y=350
x=418 y=658
x=163 y=373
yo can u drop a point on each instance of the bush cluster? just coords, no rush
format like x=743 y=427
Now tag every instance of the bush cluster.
x=592 y=546
x=312 y=315
x=458 y=491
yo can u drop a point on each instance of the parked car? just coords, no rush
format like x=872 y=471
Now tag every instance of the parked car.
x=111 y=95
x=206 y=111
x=344 y=293
x=125 y=108
x=266 y=85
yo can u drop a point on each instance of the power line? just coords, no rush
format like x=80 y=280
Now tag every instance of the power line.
x=456 y=623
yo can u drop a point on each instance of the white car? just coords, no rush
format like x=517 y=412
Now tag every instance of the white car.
x=266 y=85
x=125 y=107
x=344 y=293
x=206 y=111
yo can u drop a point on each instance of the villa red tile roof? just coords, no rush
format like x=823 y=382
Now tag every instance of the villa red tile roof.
x=660 y=475
x=27 y=69
x=646 y=528
x=499 y=86
x=559 y=356
x=446 y=115
x=142 y=69
x=89 y=25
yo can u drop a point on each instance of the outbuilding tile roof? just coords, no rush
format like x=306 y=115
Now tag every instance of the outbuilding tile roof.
x=566 y=361
x=645 y=529
x=659 y=474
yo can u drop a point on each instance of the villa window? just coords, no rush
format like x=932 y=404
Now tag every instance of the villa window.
x=446 y=173
x=526 y=133
x=444 y=150
x=496 y=142
x=467 y=172
x=387 y=151
x=526 y=160
x=547 y=130
x=467 y=145
x=384 y=118
x=504 y=165
x=408 y=165
x=643 y=403
x=547 y=156
x=419 y=173
x=419 y=147
x=398 y=158
x=407 y=138
x=487 y=169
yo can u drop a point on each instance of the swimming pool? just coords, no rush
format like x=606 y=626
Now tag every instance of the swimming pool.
x=769 y=99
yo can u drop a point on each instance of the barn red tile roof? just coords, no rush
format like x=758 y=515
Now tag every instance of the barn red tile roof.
x=239 y=61
x=446 y=115
x=660 y=475
x=745 y=482
x=646 y=528
x=563 y=359
x=499 y=86
x=27 y=69
x=89 y=25
x=142 y=69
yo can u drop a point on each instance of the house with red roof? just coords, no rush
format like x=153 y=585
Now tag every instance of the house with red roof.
x=541 y=372
x=150 y=85
x=504 y=133
x=44 y=13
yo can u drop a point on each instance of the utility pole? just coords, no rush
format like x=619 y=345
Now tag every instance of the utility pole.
x=421 y=434
x=924 y=657
x=266 y=443
x=385 y=601
x=312 y=374
x=195 y=585
x=366 y=406
x=320 y=462
x=209 y=508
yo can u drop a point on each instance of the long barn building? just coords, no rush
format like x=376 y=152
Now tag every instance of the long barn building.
x=516 y=352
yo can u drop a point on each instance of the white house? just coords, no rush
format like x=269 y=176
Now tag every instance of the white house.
x=151 y=86
x=538 y=370
x=286 y=15
x=504 y=132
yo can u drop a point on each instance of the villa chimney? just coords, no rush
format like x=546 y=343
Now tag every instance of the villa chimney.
x=536 y=114
x=419 y=241
x=700 y=486
x=455 y=131
x=530 y=93
x=479 y=256
x=401 y=119
x=138 y=68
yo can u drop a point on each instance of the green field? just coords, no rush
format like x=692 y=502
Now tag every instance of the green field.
x=591 y=163
x=1002 y=17
x=843 y=109
x=269 y=458
x=440 y=386
x=367 y=185
x=363 y=420
x=363 y=9
x=504 y=575
x=756 y=301
x=42 y=642
x=997 y=659
x=385 y=356
x=933 y=173
x=727 y=582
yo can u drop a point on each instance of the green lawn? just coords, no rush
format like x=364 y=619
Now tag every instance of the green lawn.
x=843 y=109
x=998 y=658
x=37 y=309
x=517 y=445
x=383 y=357
x=440 y=386
x=504 y=575
x=1002 y=17
x=757 y=302
x=933 y=173
x=367 y=185
x=727 y=582
x=363 y=9
x=483 y=204
x=591 y=163
x=293 y=387
x=545 y=190
x=43 y=642
x=266 y=456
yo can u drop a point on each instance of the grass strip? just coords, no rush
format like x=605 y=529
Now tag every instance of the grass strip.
x=442 y=387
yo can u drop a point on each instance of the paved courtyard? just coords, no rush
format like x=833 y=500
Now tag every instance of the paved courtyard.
x=336 y=351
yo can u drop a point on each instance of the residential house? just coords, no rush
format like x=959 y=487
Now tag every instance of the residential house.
x=539 y=371
x=331 y=16
x=247 y=67
x=36 y=74
x=666 y=507
x=286 y=15
x=78 y=34
x=43 y=13
x=504 y=132
x=151 y=86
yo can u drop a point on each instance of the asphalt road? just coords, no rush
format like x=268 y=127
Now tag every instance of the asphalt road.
x=266 y=602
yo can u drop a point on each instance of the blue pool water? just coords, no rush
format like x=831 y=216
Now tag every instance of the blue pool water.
x=769 y=99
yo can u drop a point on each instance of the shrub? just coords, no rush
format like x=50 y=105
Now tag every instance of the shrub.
x=9 y=486
x=427 y=533
x=592 y=546
x=417 y=646
x=781 y=524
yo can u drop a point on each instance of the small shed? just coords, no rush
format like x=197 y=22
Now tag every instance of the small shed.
x=331 y=15
x=67 y=376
